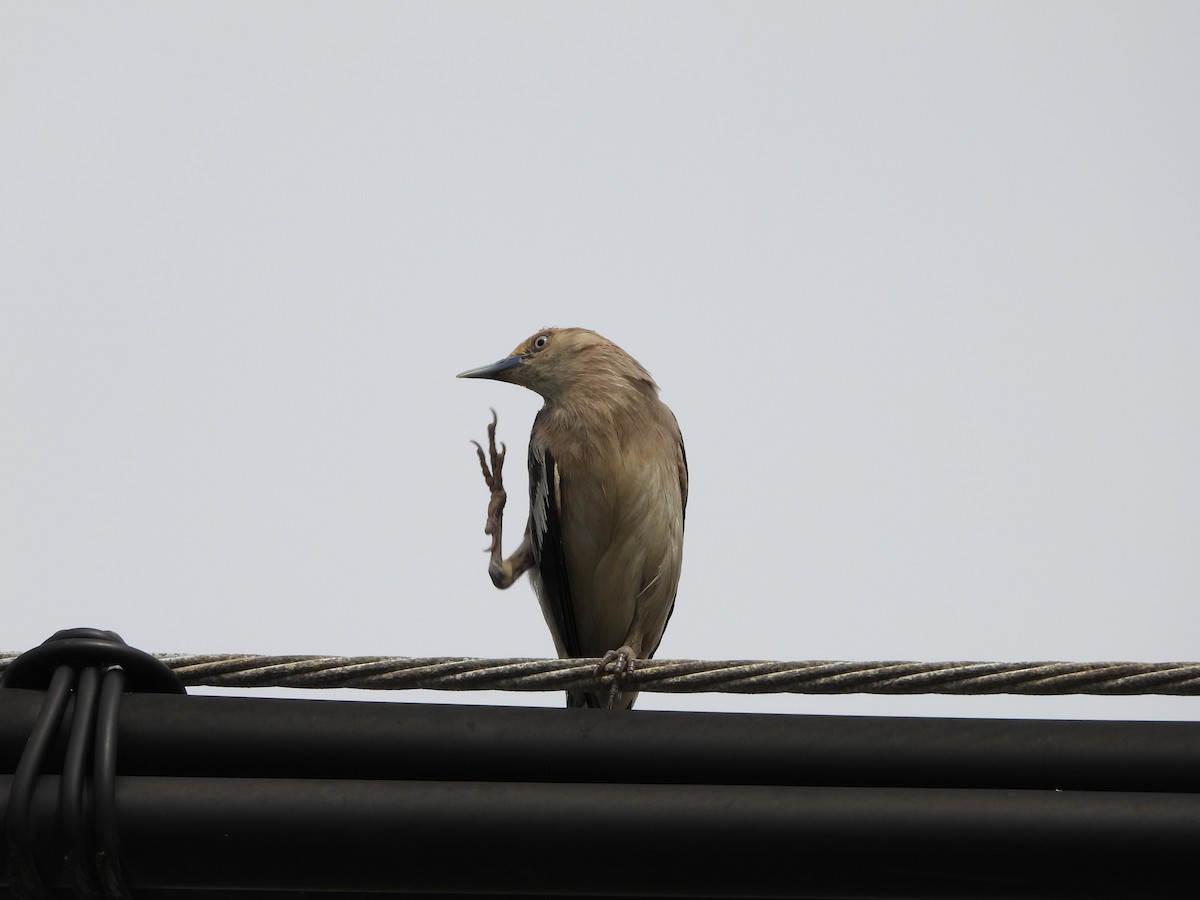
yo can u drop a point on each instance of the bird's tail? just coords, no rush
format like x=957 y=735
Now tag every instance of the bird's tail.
x=599 y=701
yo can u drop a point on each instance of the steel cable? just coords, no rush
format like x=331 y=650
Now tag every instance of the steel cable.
x=683 y=676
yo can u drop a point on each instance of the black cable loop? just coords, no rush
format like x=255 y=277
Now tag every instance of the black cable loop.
x=86 y=845
x=108 y=863
x=74 y=782
x=23 y=875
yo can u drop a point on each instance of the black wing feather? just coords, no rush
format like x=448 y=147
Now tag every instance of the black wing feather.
x=546 y=529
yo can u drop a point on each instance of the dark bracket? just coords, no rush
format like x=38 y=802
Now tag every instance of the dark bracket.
x=97 y=667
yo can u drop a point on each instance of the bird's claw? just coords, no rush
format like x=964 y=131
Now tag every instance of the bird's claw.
x=622 y=660
x=495 y=483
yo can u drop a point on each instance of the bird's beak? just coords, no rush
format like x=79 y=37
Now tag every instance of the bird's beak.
x=492 y=371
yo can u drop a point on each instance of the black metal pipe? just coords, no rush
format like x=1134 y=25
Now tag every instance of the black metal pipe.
x=217 y=794
x=163 y=734
x=618 y=840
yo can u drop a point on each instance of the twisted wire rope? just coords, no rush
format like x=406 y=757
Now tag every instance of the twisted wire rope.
x=682 y=675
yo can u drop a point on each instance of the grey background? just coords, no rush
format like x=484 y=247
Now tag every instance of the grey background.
x=919 y=280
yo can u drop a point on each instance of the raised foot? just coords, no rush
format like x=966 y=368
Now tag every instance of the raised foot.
x=621 y=660
x=495 y=483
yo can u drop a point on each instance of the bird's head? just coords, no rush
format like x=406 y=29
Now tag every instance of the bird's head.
x=555 y=361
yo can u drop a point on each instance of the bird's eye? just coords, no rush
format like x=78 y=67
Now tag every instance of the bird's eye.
x=541 y=341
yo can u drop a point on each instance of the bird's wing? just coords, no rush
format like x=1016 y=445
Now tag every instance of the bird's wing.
x=545 y=504
x=683 y=474
x=683 y=495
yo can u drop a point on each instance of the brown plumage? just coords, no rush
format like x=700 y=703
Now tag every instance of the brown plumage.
x=607 y=489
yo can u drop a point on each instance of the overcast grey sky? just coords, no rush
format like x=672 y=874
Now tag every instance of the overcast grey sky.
x=921 y=282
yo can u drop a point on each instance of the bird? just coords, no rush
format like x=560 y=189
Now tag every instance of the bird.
x=608 y=488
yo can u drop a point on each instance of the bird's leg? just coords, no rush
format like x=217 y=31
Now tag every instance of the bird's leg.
x=623 y=657
x=503 y=572
x=495 y=483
